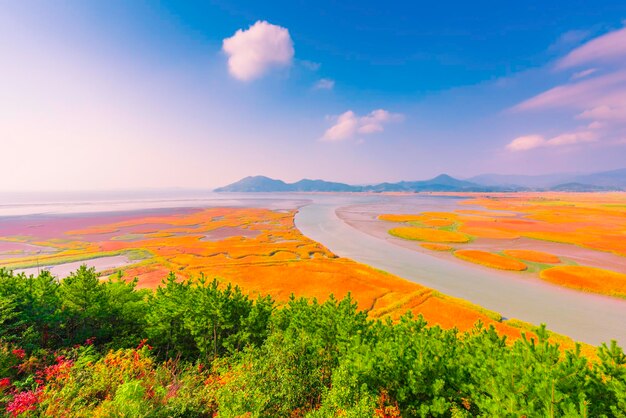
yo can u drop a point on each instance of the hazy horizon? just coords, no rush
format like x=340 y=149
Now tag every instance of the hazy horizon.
x=124 y=96
x=189 y=189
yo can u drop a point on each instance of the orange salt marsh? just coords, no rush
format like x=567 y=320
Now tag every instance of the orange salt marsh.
x=428 y=234
x=490 y=260
x=438 y=222
x=584 y=228
x=263 y=252
x=535 y=256
x=436 y=247
x=588 y=279
x=592 y=220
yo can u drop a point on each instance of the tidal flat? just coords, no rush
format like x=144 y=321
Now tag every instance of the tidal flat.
x=236 y=236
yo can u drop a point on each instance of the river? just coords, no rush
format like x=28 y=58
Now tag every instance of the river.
x=585 y=317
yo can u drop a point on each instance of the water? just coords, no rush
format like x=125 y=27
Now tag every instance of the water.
x=63 y=270
x=582 y=316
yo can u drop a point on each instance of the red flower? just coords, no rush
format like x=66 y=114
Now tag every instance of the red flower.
x=5 y=383
x=59 y=370
x=19 y=353
x=143 y=344
x=23 y=402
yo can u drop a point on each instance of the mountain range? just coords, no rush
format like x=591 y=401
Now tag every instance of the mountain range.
x=614 y=179
x=570 y=182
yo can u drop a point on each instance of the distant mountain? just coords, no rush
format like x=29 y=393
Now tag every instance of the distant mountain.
x=522 y=181
x=442 y=183
x=307 y=185
x=579 y=187
x=575 y=182
x=256 y=184
x=266 y=184
x=615 y=179
x=606 y=180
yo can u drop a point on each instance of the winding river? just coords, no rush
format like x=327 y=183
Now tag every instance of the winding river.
x=585 y=317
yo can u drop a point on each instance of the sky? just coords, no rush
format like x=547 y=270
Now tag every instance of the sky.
x=111 y=95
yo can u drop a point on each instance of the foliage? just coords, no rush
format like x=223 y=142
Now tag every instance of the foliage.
x=212 y=350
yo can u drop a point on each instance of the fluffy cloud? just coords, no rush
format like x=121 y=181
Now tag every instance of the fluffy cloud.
x=251 y=53
x=324 y=84
x=524 y=143
x=572 y=138
x=528 y=142
x=348 y=124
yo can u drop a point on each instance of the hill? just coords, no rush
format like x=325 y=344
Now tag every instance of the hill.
x=574 y=182
x=599 y=181
x=614 y=179
x=580 y=187
x=266 y=184
x=441 y=183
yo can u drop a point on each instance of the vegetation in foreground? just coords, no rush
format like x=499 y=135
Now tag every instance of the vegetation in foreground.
x=86 y=347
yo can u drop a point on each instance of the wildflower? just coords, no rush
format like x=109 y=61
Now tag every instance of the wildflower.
x=19 y=353
x=143 y=344
x=23 y=402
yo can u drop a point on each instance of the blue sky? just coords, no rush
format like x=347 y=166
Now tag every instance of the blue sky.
x=106 y=95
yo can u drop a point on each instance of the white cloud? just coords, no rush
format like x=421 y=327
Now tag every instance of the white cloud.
x=524 y=143
x=609 y=89
x=528 y=142
x=324 y=84
x=605 y=48
x=348 y=124
x=252 y=52
x=604 y=113
x=376 y=119
x=345 y=127
x=572 y=138
x=594 y=93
